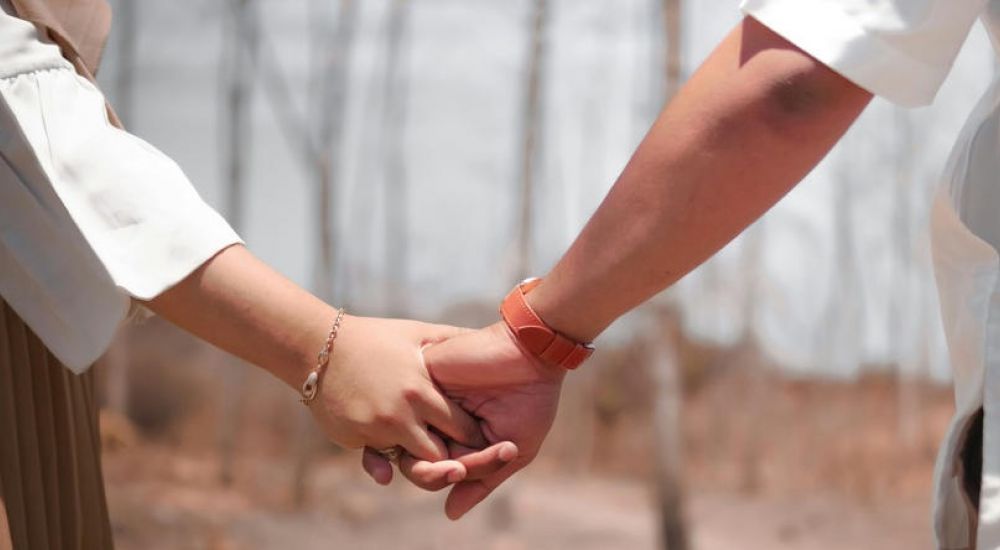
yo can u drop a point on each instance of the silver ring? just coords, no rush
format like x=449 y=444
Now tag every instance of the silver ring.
x=392 y=454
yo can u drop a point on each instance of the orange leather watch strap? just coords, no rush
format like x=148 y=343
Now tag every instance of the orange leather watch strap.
x=537 y=337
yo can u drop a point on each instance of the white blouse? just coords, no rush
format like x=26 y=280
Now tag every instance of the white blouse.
x=90 y=216
x=902 y=50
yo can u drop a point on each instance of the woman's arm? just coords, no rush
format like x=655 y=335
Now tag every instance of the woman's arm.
x=375 y=392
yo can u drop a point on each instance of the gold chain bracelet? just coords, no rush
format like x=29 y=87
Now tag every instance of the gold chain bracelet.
x=310 y=388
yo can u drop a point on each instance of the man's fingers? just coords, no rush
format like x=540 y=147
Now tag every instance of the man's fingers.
x=376 y=466
x=466 y=495
x=466 y=464
x=486 y=462
x=431 y=476
x=451 y=420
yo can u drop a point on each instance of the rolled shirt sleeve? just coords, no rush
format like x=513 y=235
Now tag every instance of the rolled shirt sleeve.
x=900 y=50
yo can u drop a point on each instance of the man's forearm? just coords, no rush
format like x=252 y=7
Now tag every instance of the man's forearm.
x=748 y=126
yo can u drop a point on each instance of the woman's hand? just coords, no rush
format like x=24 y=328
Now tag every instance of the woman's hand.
x=376 y=392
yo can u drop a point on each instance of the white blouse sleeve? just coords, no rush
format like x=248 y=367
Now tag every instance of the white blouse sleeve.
x=901 y=50
x=90 y=216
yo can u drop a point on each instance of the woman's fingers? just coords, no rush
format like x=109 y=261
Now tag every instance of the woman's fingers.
x=431 y=476
x=450 y=419
x=418 y=441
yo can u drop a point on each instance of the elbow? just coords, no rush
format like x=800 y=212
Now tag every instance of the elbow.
x=789 y=85
x=798 y=95
x=805 y=95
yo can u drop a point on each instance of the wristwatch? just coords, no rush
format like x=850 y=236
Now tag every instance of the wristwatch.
x=544 y=342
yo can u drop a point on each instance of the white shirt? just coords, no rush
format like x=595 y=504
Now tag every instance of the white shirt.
x=902 y=50
x=90 y=216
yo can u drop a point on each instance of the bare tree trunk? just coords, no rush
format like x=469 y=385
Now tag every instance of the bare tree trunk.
x=116 y=361
x=333 y=65
x=672 y=23
x=126 y=28
x=749 y=357
x=332 y=49
x=843 y=317
x=663 y=340
x=501 y=509
x=238 y=103
x=239 y=64
x=395 y=93
x=908 y=395
x=661 y=343
x=531 y=133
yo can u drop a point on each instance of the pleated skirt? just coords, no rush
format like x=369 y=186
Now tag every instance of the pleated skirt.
x=51 y=485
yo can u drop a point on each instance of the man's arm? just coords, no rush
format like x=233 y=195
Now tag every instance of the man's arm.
x=749 y=125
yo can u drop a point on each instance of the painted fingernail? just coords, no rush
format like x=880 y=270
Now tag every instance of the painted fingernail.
x=455 y=475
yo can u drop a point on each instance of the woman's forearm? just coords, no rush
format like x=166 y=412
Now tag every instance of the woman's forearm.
x=374 y=392
x=748 y=126
x=242 y=306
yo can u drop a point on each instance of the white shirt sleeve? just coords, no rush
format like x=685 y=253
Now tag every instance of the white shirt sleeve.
x=901 y=50
x=91 y=217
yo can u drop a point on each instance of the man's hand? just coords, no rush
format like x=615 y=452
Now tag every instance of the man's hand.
x=514 y=396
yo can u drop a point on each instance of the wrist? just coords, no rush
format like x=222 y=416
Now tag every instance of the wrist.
x=537 y=337
x=304 y=349
x=541 y=371
x=564 y=313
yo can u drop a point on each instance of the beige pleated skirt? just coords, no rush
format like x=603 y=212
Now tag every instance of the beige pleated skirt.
x=51 y=485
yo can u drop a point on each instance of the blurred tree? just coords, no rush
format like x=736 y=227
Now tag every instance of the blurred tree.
x=531 y=132
x=238 y=65
x=532 y=116
x=843 y=324
x=660 y=342
x=395 y=90
x=331 y=48
x=126 y=29
x=905 y=314
x=664 y=340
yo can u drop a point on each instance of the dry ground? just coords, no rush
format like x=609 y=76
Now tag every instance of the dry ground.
x=790 y=465
x=174 y=503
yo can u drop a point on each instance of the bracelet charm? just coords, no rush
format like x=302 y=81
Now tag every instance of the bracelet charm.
x=310 y=388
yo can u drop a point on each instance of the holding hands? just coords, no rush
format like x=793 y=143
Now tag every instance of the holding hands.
x=509 y=375
x=513 y=394
x=379 y=393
